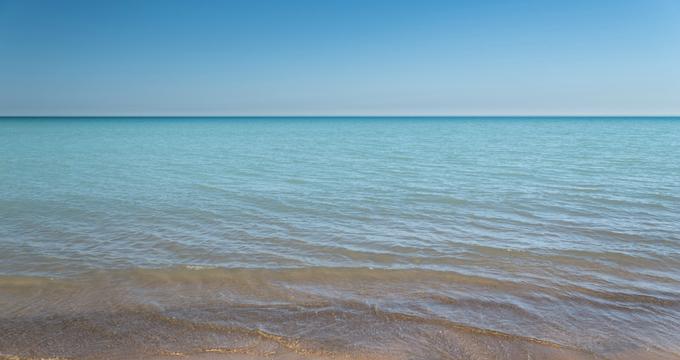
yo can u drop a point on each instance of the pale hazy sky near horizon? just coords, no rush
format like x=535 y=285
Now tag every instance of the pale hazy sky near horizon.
x=344 y=57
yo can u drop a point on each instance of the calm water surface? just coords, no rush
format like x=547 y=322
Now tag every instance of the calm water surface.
x=401 y=238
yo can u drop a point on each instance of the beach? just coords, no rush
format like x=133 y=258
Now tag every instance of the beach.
x=340 y=238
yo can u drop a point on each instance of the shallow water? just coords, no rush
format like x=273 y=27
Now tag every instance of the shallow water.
x=394 y=238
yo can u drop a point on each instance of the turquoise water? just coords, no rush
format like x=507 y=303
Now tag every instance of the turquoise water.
x=513 y=237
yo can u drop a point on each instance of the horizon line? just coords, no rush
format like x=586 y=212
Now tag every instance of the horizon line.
x=349 y=116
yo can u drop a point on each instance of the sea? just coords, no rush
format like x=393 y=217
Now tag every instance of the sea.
x=340 y=238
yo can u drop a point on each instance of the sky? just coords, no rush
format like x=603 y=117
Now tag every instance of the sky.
x=339 y=57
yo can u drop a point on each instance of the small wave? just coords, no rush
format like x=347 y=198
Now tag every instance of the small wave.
x=329 y=332
x=332 y=309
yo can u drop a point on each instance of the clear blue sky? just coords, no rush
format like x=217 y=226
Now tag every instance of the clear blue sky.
x=262 y=57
